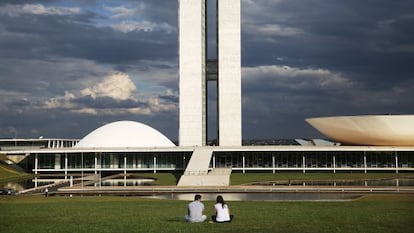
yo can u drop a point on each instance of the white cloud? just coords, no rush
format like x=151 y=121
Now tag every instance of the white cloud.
x=121 y=11
x=296 y=78
x=117 y=86
x=157 y=105
x=85 y=111
x=60 y=101
x=278 y=30
x=38 y=9
x=146 y=26
x=268 y=30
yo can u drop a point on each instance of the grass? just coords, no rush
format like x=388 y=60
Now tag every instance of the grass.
x=239 y=178
x=8 y=175
x=160 y=178
x=132 y=214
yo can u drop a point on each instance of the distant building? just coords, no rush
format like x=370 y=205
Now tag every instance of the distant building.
x=33 y=144
x=126 y=147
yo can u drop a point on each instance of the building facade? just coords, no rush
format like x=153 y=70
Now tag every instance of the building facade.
x=274 y=159
x=195 y=71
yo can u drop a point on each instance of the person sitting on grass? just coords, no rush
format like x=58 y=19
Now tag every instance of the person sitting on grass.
x=195 y=210
x=222 y=211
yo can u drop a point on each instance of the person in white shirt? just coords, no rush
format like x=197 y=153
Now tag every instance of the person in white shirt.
x=222 y=211
x=195 y=210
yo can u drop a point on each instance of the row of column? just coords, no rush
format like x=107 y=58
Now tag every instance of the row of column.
x=304 y=168
x=114 y=164
x=56 y=143
x=97 y=165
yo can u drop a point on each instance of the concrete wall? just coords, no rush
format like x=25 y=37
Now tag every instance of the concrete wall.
x=229 y=73
x=192 y=73
x=192 y=53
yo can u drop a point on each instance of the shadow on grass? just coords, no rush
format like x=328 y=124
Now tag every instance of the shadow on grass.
x=176 y=219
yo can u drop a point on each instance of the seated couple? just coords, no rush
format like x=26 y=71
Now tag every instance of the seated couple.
x=196 y=208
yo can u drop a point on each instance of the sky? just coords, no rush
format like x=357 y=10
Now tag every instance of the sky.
x=68 y=67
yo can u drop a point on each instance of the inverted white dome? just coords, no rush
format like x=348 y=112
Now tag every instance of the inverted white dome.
x=122 y=134
x=377 y=130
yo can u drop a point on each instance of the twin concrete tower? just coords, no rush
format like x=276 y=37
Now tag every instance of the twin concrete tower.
x=196 y=69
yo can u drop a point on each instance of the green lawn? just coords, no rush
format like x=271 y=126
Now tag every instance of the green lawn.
x=160 y=178
x=7 y=175
x=374 y=214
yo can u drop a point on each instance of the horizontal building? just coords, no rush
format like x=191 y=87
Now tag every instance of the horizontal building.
x=39 y=143
x=243 y=159
x=131 y=147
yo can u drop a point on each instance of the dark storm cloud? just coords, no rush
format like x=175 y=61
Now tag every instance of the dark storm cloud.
x=161 y=11
x=366 y=37
x=41 y=36
x=368 y=43
x=5 y=2
x=300 y=59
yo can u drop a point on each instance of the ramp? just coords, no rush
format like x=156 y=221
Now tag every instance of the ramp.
x=197 y=174
x=199 y=162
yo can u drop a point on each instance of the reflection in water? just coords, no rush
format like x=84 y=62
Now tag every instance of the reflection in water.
x=382 y=182
x=14 y=186
x=264 y=196
x=126 y=182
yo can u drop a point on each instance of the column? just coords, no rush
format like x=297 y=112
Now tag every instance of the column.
x=125 y=167
x=125 y=163
x=155 y=164
x=244 y=163
x=35 y=168
x=96 y=164
x=114 y=161
x=396 y=162
x=303 y=163
x=273 y=164
x=66 y=166
x=192 y=66
x=334 y=163
x=82 y=163
x=57 y=161
x=365 y=162
x=214 y=161
x=229 y=72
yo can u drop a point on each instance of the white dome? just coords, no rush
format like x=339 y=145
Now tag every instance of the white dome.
x=377 y=130
x=122 y=134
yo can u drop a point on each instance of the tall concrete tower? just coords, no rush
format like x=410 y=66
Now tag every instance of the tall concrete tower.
x=196 y=70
